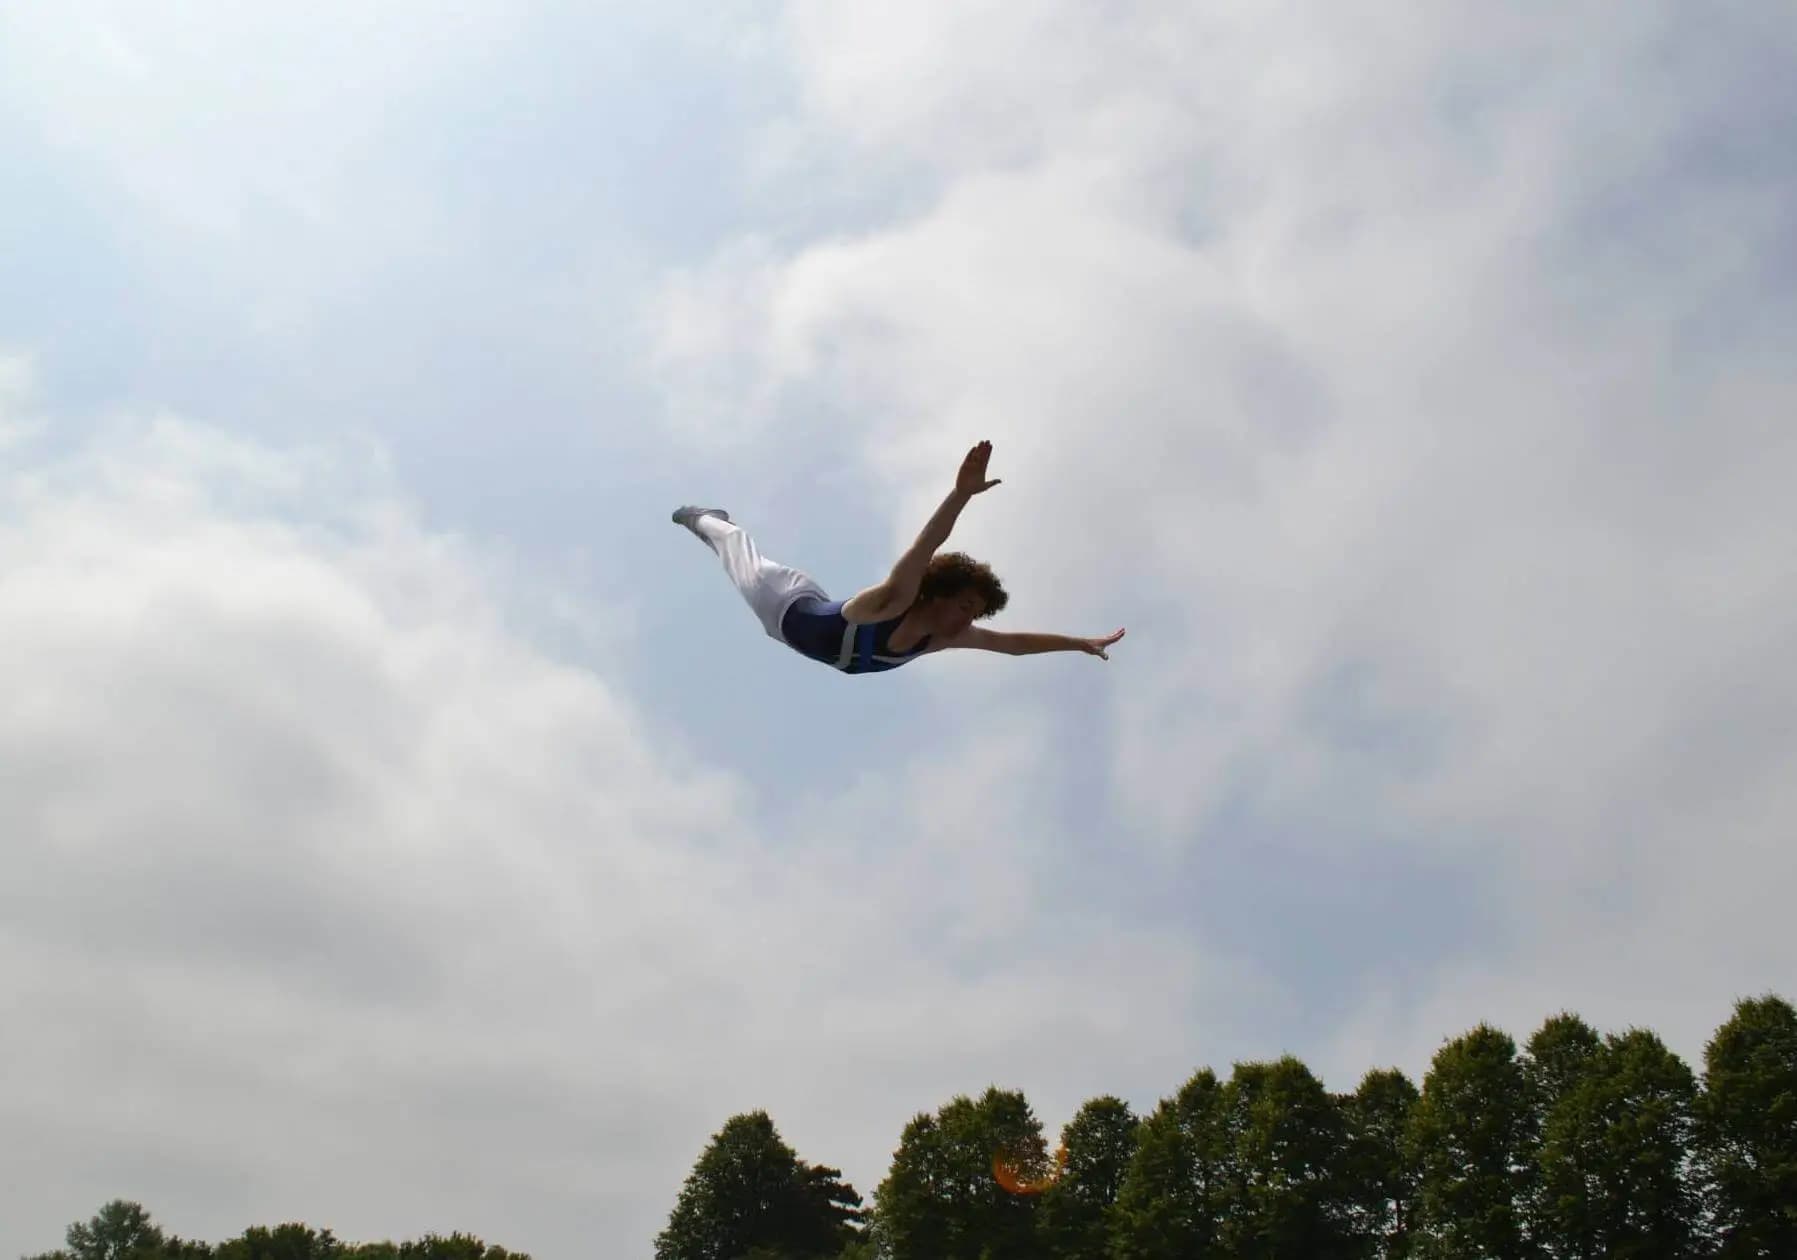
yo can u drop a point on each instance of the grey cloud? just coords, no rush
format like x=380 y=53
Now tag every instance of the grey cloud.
x=1380 y=345
x=340 y=901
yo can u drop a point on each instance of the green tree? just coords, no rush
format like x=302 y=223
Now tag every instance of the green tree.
x=455 y=1247
x=830 y=1212
x=940 y=1199
x=1076 y=1209
x=122 y=1230
x=1556 y=1061
x=1283 y=1137
x=1166 y=1208
x=749 y=1190
x=1747 y=1129
x=291 y=1241
x=1470 y=1143
x=1558 y=1057
x=1614 y=1152
x=432 y=1247
x=1379 y=1182
x=912 y=1206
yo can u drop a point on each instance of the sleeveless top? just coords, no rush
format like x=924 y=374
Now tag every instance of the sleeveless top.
x=815 y=628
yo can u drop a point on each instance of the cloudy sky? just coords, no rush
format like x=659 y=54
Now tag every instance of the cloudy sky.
x=407 y=828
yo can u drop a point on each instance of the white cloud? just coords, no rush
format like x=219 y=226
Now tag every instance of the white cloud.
x=278 y=175
x=197 y=121
x=1359 y=363
x=16 y=424
x=713 y=346
x=335 y=899
x=1412 y=384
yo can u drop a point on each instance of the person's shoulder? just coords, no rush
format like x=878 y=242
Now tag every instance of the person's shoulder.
x=872 y=606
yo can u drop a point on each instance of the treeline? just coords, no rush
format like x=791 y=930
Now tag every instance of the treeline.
x=1576 y=1145
x=123 y=1230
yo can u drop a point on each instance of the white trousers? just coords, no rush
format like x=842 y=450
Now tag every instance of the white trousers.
x=769 y=587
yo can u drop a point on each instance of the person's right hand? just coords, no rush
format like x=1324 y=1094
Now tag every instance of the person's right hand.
x=972 y=478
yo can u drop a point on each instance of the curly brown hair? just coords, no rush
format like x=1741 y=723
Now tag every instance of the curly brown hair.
x=953 y=572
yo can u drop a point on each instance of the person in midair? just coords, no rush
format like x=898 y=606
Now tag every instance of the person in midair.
x=928 y=603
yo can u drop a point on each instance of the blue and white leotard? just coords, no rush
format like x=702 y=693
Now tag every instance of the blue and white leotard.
x=816 y=628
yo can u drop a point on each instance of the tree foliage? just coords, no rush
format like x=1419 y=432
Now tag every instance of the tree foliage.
x=1077 y=1209
x=749 y=1191
x=1747 y=1129
x=123 y=1230
x=1281 y=1191
x=941 y=1201
x=1379 y=1180
x=1470 y=1143
x=1614 y=1154
x=1582 y=1145
x=1167 y=1205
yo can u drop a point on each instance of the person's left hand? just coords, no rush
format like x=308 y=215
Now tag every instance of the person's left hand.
x=972 y=478
x=1097 y=646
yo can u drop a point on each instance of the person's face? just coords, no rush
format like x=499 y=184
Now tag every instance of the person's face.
x=951 y=614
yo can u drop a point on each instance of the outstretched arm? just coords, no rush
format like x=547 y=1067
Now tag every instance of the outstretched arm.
x=899 y=590
x=1028 y=644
